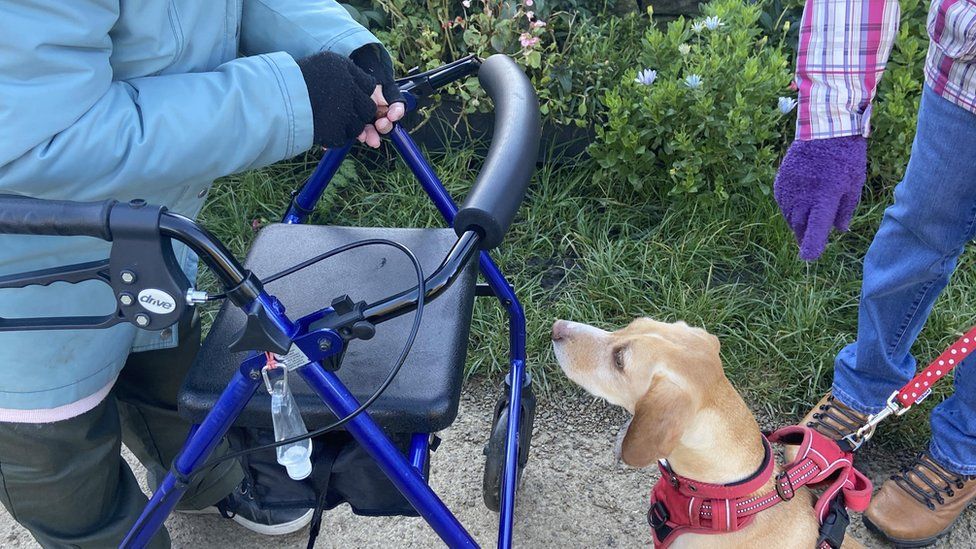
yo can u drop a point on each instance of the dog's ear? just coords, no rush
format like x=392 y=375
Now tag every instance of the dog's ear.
x=660 y=418
x=714 y=342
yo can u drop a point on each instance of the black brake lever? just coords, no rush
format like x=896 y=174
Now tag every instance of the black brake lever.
x=149 y=286
x=428 y=82
x=72 y=274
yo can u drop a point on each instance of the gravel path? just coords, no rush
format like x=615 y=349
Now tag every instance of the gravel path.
x=573 y=494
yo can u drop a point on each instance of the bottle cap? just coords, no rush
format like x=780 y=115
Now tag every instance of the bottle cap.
x=300 y=470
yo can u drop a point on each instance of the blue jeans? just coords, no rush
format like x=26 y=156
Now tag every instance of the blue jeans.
x=907 y=266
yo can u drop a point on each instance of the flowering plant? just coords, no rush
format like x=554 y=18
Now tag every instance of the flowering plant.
x=497 y=27
x=567 y=55
x=712 y=121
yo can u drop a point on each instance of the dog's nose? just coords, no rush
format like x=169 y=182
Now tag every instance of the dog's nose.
x=560 y=330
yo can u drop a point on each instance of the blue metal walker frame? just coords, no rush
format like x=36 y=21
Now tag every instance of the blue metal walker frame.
x=405 y=472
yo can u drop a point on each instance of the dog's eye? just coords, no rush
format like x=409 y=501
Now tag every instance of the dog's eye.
x=618 y=358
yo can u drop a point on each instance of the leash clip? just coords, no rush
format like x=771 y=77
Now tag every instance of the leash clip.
x=892 y=408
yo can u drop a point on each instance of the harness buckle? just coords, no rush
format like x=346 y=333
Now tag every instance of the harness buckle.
x=834 y=525
x=658 y=516
x=781 y=490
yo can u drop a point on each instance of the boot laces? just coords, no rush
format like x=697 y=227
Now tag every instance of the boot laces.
x=928 y=483
x=835 y=421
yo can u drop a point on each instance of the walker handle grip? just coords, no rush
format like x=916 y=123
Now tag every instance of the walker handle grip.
x=23 y=215
x=500 y=188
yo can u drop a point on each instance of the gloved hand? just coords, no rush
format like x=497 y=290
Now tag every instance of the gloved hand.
x=818 y=186
x=375 y=61
x=340 y=93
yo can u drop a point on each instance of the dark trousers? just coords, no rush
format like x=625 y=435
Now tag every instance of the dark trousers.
x=67 y=483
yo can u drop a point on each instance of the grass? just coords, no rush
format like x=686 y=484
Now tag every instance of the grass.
x=606 y=255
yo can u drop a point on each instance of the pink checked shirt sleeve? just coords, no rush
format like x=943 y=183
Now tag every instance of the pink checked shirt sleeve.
x=844 y=45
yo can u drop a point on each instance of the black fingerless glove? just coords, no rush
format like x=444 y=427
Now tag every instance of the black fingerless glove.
x=376 y=62
x=340 y=95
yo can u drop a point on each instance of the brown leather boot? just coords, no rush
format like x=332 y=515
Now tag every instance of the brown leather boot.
x=919 y=505
x=832 y=419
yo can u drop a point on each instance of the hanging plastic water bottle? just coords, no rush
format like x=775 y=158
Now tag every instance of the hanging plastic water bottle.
x=297 y=456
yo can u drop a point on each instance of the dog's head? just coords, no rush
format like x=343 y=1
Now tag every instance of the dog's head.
x=659 y=372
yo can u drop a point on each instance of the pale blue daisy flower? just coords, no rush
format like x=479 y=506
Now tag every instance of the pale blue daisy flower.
x=786 y=104
x=646 y=77
x=693 y=81
x=713 y=22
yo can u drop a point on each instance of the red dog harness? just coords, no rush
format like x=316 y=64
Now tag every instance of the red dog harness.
x=680 y=505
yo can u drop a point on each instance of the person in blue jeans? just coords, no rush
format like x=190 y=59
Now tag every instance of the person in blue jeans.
x=843 y=47
x=906 y=267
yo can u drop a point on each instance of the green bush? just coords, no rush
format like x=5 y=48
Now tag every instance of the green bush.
x=780 y=20
x=569 y=57
x=709 y=124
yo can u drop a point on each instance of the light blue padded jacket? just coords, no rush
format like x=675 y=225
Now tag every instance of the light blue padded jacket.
x=135 y=99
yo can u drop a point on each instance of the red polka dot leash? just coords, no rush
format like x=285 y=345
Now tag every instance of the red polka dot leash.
x=920 y=387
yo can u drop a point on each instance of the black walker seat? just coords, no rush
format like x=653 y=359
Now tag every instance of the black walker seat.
x=424 y=396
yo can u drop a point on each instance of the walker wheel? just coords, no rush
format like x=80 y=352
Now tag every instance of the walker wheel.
x=495 y=449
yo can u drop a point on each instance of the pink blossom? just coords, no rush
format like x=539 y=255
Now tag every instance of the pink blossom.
x=529 y=3
x=793 y=86
x=530 y=15
x=527 y=40
x=538 y=24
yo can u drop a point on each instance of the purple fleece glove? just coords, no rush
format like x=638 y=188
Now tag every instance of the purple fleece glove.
x=818 y=186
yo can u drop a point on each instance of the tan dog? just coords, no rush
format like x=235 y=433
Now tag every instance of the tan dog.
x=670 y=377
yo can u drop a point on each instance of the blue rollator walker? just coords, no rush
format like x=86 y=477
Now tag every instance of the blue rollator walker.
x=365 y=290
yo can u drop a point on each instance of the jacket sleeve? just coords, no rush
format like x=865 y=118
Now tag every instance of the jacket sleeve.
x=300 y=27
x=70 y=130
x=843 y=48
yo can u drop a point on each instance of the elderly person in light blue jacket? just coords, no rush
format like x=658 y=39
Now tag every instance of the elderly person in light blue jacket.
x=149 y=99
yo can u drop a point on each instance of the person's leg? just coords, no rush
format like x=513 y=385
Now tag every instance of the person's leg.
x=912 y=256
x=151 y=427
x=923 y=501
x=147 y=390
x=67 y=483
x=953 y=443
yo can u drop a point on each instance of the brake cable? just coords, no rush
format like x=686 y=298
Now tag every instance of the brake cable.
x=398 y=364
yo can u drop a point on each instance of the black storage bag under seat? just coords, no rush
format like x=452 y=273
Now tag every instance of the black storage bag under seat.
x=342 y=472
